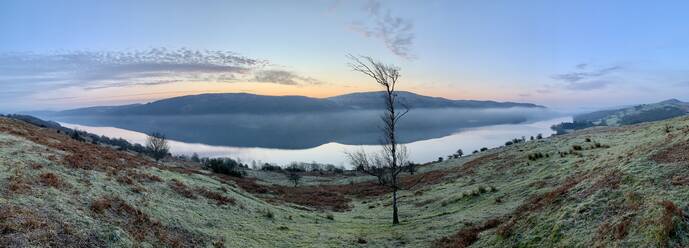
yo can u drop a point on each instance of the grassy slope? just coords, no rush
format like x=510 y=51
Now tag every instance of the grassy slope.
x=612 y=201
x=615 y=117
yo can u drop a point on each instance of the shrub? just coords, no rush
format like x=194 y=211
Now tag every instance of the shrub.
x=268 y=214
x=270 y=167
x=577 y=147
x=482 y=190
x=195 y=158
x=224 y=166
x=536 y=156
x=219 y=243
x=75 y=135
x=157 y=146
x=294 y=177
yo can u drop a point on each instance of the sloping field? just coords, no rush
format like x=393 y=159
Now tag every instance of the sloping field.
x=619 y=187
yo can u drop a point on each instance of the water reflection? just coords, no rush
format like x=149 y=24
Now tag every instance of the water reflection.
x=468 y=140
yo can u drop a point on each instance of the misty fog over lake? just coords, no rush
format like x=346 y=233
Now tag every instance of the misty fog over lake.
x=323 y=138
x=309 y=130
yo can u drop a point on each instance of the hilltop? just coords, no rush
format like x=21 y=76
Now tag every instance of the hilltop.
x=605 y=186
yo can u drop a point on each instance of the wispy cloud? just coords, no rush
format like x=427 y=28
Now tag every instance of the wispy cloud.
x=31 y=72
x=580 y=75
x=283 y=77
x=397 y=33
x=543 y=91
x=588 y=85
x=585 y=80
x=582 y=66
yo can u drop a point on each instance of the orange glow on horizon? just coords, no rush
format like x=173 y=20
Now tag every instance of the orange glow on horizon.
x=143 y=94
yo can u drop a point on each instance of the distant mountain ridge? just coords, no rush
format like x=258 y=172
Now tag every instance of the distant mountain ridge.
x=374 y=100
x=244 y=103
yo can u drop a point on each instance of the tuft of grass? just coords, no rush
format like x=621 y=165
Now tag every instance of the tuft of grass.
x=465 y=237
x=141 y=226
x=29 y=227
x=17 y=184
x=124 y=179
x=181 y=189
x=217 y=197
x=51 y=180
x=672 y=217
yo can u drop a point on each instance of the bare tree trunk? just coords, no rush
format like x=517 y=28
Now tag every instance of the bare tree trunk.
x=393 y=152
x=395 y=218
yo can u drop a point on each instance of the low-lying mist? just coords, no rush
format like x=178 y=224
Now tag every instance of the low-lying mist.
x=306 y=130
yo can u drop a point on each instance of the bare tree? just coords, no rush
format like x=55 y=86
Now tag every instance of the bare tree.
x=293 y=173
x=157 y=145
x=294 y=176
x=386 y=76
x=371 y=164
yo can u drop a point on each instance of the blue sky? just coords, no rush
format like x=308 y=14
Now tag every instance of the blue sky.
x=563 y=54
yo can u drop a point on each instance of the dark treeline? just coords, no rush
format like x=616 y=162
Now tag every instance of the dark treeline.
x=565 y=127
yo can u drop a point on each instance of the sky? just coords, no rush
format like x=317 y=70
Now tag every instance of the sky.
x=570 y=55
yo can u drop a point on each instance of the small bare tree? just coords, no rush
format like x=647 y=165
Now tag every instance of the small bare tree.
x=157 y=145
x=391 y=160
x=371 y=164
x=294 y=176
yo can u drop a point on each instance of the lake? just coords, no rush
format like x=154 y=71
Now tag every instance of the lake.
x=467 y=139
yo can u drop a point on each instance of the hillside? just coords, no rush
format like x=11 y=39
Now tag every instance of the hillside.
x=626 y=116
x=609 y=186
x=636 y=114
x=237 y=103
